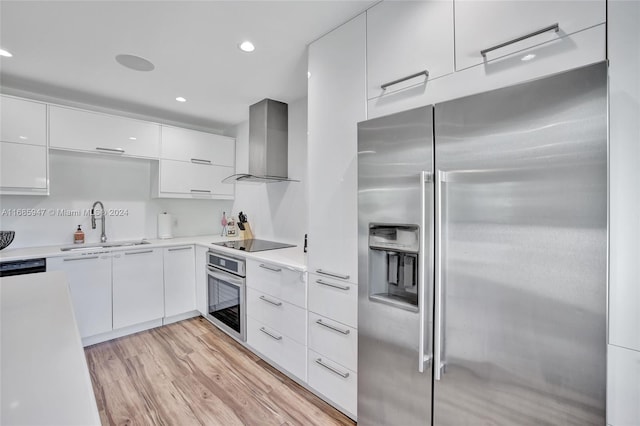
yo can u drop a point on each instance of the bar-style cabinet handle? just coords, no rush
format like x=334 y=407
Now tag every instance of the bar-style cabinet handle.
x=200 y=161
x=129 y=253
x=555 y=27
x=180 y=248
x=330 y=368
x=273 y=336
x=332 y=274
x=271 y=301
x=114 y=150
x=202 y=191
x=263 y=266
x=341 y=287
x=324 y=324
x=409 y=77
x=79 y=258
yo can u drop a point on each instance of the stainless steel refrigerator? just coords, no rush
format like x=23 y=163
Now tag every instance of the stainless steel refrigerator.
x=482 y=258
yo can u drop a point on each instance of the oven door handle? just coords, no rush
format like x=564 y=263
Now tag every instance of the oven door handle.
x=223 y=276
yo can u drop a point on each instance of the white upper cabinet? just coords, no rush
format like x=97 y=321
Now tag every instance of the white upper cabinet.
x=517 y=25
x=23 y=121
x=179 y=179
x=405 y=39
x=336 y=103
x=197 y=147
x=23 y=168
x=88 y=131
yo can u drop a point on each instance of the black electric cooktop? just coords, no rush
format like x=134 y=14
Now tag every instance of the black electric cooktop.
x=253 y=245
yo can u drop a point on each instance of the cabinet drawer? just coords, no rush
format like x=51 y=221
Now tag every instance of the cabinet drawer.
x=278 y=315
x=334 y=340
x=191 y=145
x=279 y=348
x=506 y=21
x=23 y=121
x=100 y=133
x=197 y=180
x=337 y=383
x=277 y=281
x=334 y=299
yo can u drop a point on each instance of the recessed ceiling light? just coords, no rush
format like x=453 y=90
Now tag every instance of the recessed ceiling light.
x=133 y=138
x=24 y=138
x=181 y=99
x=247 y=46
x=528 y=57
x=5 y=53
x=135 y=63
x=308 y=74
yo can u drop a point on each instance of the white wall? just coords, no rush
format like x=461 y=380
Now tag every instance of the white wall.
x=276 y=211
x=77 y=180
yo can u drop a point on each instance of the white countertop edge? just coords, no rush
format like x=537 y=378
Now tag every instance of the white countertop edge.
x=292 y=258
x=39 y=331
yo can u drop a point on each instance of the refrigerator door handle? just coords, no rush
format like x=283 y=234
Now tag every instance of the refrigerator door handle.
x=437 y=350
x=424 y=358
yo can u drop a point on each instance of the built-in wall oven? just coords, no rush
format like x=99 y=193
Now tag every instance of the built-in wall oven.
x=226 y=294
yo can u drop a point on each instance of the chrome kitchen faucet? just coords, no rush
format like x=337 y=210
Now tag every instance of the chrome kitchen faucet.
x=103 y=235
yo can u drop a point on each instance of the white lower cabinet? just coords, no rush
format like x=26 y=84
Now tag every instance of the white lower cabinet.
x=334 y=299
x=334 y=340
x=288 y=319
x=90 y=287
x=278 y=347
x=179 y=280
x=138 y=291
x=201 y=280
x=623 y=386
x=336 y=382
x=281 y=282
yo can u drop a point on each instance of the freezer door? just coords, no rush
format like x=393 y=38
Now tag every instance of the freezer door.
x=395 y=199
x=521 y=207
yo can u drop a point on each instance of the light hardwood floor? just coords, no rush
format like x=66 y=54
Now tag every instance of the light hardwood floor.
x=190 y=373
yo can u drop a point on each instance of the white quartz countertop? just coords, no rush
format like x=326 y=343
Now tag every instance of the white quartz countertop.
x=45 y=379
x=293 y=257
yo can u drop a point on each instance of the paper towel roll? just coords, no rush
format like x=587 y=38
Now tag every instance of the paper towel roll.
x=165 y=230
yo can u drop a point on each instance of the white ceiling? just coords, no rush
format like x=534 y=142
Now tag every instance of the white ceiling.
x=67 y=49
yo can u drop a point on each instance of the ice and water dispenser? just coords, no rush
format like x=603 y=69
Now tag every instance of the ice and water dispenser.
x=393 y=264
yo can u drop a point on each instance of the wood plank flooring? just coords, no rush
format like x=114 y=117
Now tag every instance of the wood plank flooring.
x=190 y=373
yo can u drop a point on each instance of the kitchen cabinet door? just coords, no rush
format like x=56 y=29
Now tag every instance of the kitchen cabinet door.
x=336 y=102
x=623 y=386
x=198 y=147
x=23 y=169
x=138 y=290
x=179 y=280
x=405 y=38
x=180 y=179
x=23 y=121
x=89 y=279
x=481 y=25
x=78 y=130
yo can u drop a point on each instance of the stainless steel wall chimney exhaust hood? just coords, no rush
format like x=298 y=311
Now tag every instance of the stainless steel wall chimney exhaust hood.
x=268 y=144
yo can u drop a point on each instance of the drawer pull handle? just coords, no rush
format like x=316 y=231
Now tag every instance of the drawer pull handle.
x=324 y=324
x=332 y=274
x=202 y=191
x=79 y=258
x=330 y=368
x=263 y=266
x=555 y=27
x=341 y=287
x=199 y=161
x=271 y=301
x=129 y=253
x=273 y=336
x=180 y=248
x=409 y=77
x=114 y=150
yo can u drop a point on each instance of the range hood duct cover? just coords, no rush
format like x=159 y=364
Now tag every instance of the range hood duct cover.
x=268 y=144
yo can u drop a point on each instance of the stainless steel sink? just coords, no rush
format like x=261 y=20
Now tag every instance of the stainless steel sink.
x=114 y=244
